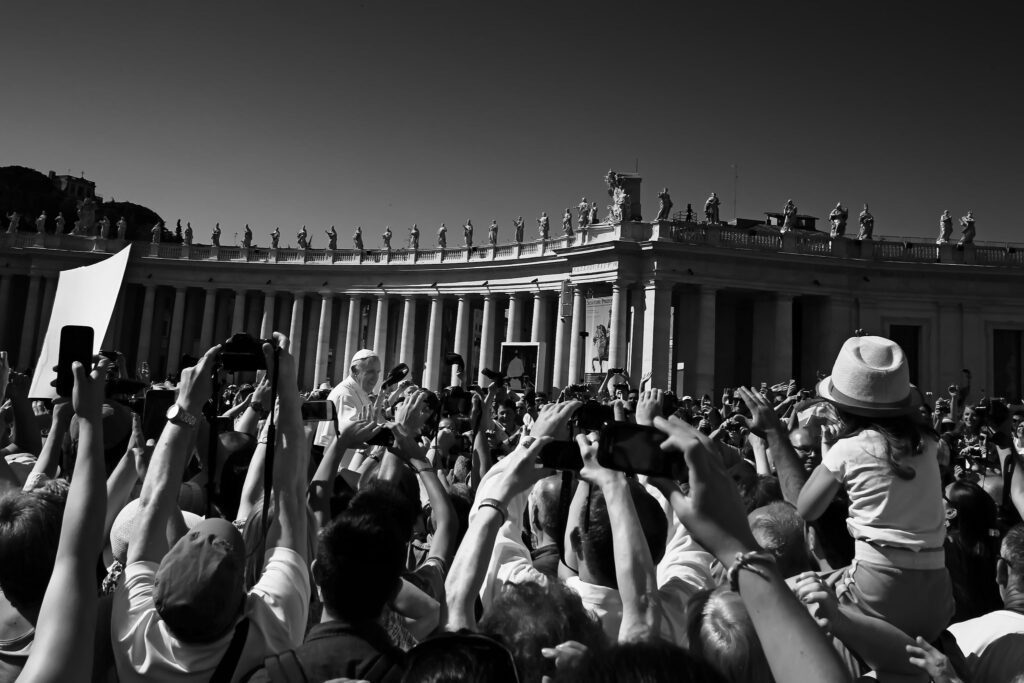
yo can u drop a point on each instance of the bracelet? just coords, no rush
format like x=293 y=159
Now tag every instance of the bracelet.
x=496 y=505
x=748 y=561
x=421 y=470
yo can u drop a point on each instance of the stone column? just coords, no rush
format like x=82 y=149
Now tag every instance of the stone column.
x=295 y=327
x=380 y=330
x=462 y=325
x=267 y=325
x=487 y=339
x=515 y=319
x=355 y=305
x=238 y=313
x=782 y=358
x=579 y=312
x=26 y=350
x=538 y=333
x=617 y=343
x=657 y=322
x=209 y=311
x=323 y=338
x=705 y=371
x=49 y=294
x=146 y=324
x=177 y=318
x=432 y=373
x=636 y=334
x=840 y=327
x=560 y=364
x=407 y=353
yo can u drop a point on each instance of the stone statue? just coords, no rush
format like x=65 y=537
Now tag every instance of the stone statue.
x=158 y=232
x=442 y=237
x=867 y=224
x=520 y=226
x=332 y=238
x=688 y=216
x=664 y=205
x=945 y=228
x=414 y=238
x=41 y=223
x=357 y=238
x=838 y=220
x=188 y=234
x=215 y=236
x=177 y=230
x=711 y=208
x=387 y=238
x=275 y=237
x=583 y=209
x=492 y=232
x=967 y=228
x=467 y=231
x=543 y=225
x=247 y=237
x=14 y=219
x=105 y=228
x=593 y=213
x=788 y=216
x=122 y=227
x=59 y=222
x=567 y=224
x=620 y=200
x=302 y=237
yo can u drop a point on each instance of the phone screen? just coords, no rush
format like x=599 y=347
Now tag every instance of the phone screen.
x=318 y=411
x=636 y=449
x=154 y=415
x=75 y=344
x=561 y=455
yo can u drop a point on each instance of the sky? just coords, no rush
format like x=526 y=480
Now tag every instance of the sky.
x=388 y=113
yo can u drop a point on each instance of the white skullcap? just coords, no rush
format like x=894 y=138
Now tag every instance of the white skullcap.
x=363 y=354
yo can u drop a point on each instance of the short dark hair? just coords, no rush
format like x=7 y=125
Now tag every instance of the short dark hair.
x=1013 y=552
x=30 y=524
x=639 y=662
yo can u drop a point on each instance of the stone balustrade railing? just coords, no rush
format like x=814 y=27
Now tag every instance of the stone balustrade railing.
x=758 y=238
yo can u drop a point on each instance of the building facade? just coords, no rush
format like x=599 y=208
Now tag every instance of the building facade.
x=697 y=306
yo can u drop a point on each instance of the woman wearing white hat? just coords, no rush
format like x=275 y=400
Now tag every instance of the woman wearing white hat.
x=886 y=459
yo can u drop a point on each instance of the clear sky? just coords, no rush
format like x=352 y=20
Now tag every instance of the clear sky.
x=387 y=113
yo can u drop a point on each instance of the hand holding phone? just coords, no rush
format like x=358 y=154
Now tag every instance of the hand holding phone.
x=636 y=449
x=75 y=345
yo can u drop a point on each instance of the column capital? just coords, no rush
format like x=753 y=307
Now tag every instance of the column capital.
x=324 y=293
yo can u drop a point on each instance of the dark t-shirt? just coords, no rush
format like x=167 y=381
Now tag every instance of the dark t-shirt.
x=545 y=560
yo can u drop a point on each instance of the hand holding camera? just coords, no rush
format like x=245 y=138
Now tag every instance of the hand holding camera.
x=89 y=391
x=196 y=385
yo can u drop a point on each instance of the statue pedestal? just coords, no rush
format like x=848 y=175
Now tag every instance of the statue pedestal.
x=154 y=248
x=789 y=242
x=946 y=253
x=215 y=252
x=839 y=247
x=273 y=255
x=518 y=249
x=714 y=235
x=415 y=255
x=661 y=230
x=970 y=257
x=867 y=249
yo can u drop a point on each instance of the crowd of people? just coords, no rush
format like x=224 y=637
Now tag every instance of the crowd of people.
x=381 y=531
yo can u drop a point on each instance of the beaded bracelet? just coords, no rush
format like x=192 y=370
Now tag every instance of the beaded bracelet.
x=748 y=561
x=496 y=505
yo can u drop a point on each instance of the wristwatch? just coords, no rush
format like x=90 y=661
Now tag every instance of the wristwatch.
x=181 y=417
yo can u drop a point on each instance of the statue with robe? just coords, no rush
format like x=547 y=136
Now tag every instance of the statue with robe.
x=275 y=237
x=386 y=237
x=414 y=238
x=838 y=220
x=59 y=223
x=664 y=205
x=567 y=224
x=711 y=208
x=867 y=224
x=593 y=213
x=467 y=231
x=442 y=237
x=520 y=226
x=583 y=209
x=788 y=216
x=967 y=228
x=188 y=234
x=14 y=218
x=104 y=228
x=215 y=235
x=544 y=225
x=158 y=232
x=247 y=237
x=332 y=238
x=41 y=223
x=945 y=227
x=492 y=233
x=302 y=237
x=357 y=238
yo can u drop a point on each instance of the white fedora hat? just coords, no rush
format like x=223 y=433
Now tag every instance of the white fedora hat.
x=870 y=378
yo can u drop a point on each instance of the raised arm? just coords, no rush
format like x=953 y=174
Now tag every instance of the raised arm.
x=49 y=455
x=764 y=420
x=63 y=647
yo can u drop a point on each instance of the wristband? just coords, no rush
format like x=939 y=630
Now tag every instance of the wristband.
x=421 y=470
x=748 y=561
x=495 y=505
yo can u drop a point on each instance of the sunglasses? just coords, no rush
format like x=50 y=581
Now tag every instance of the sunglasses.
x=448 y=644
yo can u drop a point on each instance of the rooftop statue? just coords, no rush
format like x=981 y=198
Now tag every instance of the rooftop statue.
x=711 y=208
x=520 y=226
x=188 y=234
x=567 y=224
x=967 y=228
x=122 y=227
x=104 y=227
x=664 y=205
x=788 y=216
x=945 y=228
x=332 y=238
x=246 y=236
x=414 y=238
x=41 y=223
x=467 y=231
x=492 y=232
x=59 y=223
x=302 y=237
x=177 y=230
x=357 y=238
x=543 y=225
x=158 y=232
x=688 y=217
x=275 y=237
x=838 y=219
x=593 y=213
x=442 y=237
x=215 y=235
x=14 y=218
x=867 y=224
x=386 y=237
x=583 y=209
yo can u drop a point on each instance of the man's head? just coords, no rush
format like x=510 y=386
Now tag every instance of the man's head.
x=506 y=415
x=632 y=398
x=778 y=529
x=365 y=369
x=29 y=534
x=200 y=584
x=807 y=447
x=543 y=507
x=1010 y=567
x=722 y=635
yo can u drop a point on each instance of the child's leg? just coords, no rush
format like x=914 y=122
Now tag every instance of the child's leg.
x=918 y=602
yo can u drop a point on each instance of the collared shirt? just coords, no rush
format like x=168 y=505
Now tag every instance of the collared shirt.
x=992 y=644
x=348 y=398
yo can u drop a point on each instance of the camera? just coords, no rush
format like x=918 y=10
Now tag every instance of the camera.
x=243 y=352
x=592 y=416
x=494 y=375
x=456 y=401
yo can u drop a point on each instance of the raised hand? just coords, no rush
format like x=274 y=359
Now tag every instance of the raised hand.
x=89 y=390
x=196 y=385
x=762 y=414
x=932 y=662
x=649 y=406
x=811 y=590
x=553 y=420
x=593 y=472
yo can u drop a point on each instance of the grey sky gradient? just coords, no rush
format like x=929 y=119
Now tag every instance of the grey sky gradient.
x=399 y=113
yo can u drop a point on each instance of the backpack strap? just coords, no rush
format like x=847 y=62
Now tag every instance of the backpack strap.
x=284 y=667
x=226 y=668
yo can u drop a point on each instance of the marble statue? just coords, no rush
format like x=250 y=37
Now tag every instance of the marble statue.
x=386 y=237
x=593 y=213
x=357 y=238
x=41 y=223
x=332 y=238
x=664 y=205
x=247 y=237
x=788 y=216
x=414 y=238
x=620 y=200
x=838 y=220
x=105 y=228
x=567 y=224
x=688 y=216
x=302 y=237
x=275 y=237
x=442 y=237
x=945 y=228
x=867 y=224
x=544 y=225
x=492 y=232
x=122 y=227
x=583 y=209
x=59 y=222
x=177 y=230
x=158 y=232
x=520 y=226
x=14 y=219
x=467 y=231
x=967 y=228
x=188 y=234
x=215 y=235
x=711 y=208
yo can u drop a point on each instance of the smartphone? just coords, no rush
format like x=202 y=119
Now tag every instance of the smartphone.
x=592 y=416
x=154 y=413
x=636 y=449
x=318 y=411
x=385 y=437
x=75 y=344
x=561 y=455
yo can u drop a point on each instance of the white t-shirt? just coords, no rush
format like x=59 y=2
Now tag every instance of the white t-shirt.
x=993 y=644
x=884 y=509
x=146 y=650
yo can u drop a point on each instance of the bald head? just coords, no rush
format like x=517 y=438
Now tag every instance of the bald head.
x=778 y=529
x=543 y=505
